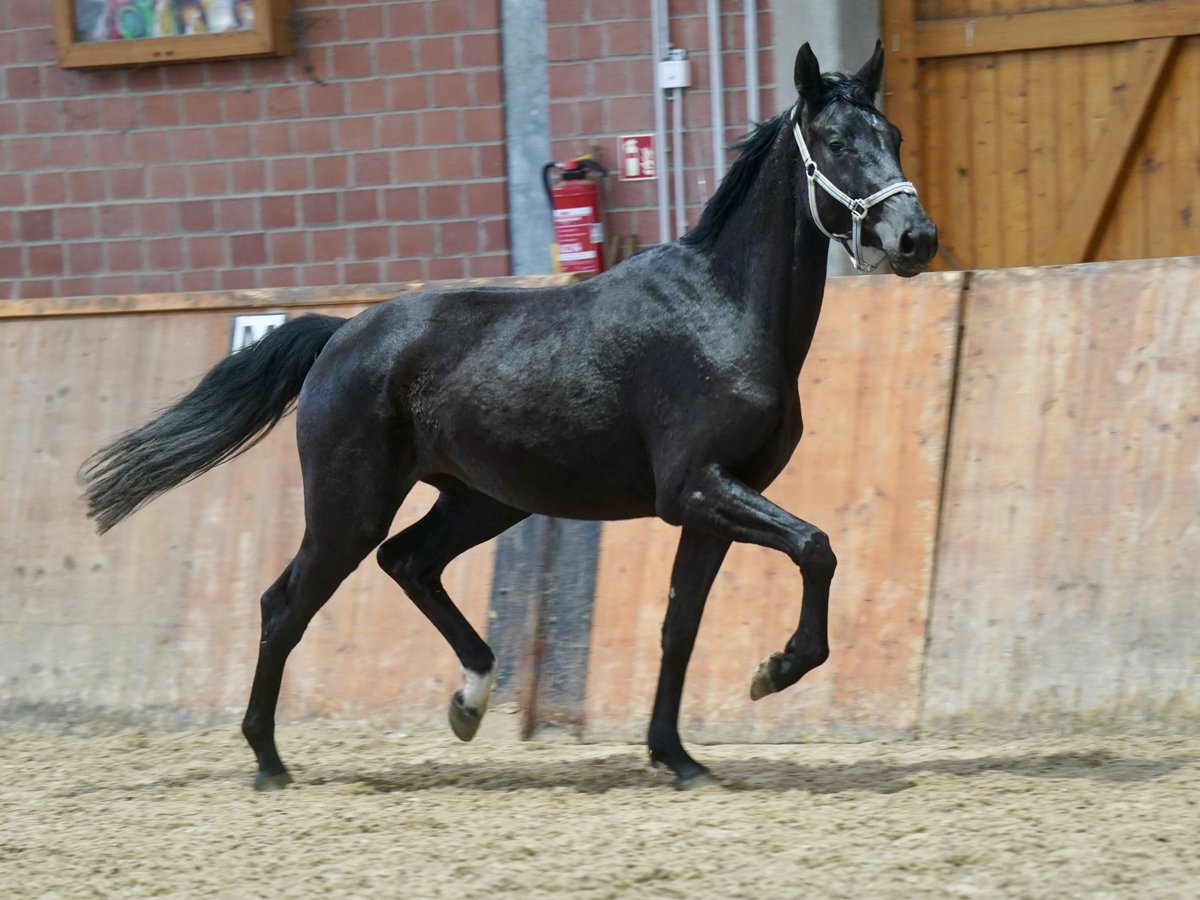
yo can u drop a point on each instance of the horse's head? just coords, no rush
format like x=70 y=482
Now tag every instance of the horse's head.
x=856 y=192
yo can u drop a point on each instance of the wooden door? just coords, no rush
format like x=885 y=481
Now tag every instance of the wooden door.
x=1050 y=131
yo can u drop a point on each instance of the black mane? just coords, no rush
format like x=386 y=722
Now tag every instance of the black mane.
x=835 y=87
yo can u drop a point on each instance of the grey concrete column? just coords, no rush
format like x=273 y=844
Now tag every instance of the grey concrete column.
x=526 y=133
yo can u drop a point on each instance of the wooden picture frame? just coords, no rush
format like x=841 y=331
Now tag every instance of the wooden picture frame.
x=264 y=30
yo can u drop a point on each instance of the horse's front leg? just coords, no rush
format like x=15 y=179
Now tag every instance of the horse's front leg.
x=696 y=563
x=716 y=502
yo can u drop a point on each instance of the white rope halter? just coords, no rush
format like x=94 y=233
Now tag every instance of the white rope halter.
x=858 y=208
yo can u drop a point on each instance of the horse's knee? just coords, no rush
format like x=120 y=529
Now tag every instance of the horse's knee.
x=403 y=565
x=816 y=556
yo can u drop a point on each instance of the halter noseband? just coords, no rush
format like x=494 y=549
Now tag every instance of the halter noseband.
x=858 y=208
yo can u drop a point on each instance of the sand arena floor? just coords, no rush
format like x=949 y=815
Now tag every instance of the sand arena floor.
x=379 y=813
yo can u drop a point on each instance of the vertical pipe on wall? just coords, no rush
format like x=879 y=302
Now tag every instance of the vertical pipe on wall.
x=677 y=160
x=717 y=87
x=658 y=25
x=750 y=8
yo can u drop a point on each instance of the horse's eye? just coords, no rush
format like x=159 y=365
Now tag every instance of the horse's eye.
x=836 y=147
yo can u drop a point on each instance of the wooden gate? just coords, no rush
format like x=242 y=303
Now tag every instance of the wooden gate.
x=1041 y=135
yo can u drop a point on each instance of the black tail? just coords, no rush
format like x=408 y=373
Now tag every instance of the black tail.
x=233 y=407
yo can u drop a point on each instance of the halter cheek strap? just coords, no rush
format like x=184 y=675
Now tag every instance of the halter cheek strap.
x=851 y=243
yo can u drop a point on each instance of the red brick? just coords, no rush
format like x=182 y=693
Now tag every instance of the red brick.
x=12 y=190
x=27 y=14
x=560 y=43
x=33 y=290
x=372 y=169
x=444 y=201
x=282 y=277
x=126 y=184
x=274 y=139
x=456 y=163
x=408 y=18
x=413 y=165
x=151 y=147
x=116 y=220
x=10 y=262
x=38 y=117
x=208 y=252
x=451 y=15
x=166 y=253
x=329 y=244
x=26 y=153
x=85 y=258
x=612 y=77
x=72 y=287
x=486 y=89
x=201 y=107
x=408 y=92
x=237 y=213
x=324 y=26
x=568 y=80
x=238 y=279
x=240 y=105
x=157 y=283
x=330 y=172
x=626 y=39
x=401 y=203
x=75 y=222
x=372 y=243
x=159 y=110
x=158 y=218
x=479 y=51
x=590 y=116
x=565 y=12
x=168 y=181
x=367 y=96
x=415 y=240
x=249 y=176
x=564 y=117
x=490 y=160
x=189 y=144
x=398 y=271
x=36 y=225
x=22 y=82
x=436 y=54
x=360 y=206
x=350 y=60
x=489 y=265
x=201 y=280
x=361 y=273
x=627 y=114
x=248 y=249
x=47 y=189
x=364 y=23
x=45 y=259
x=356 y=134
x=484 y=124
x=589 y=42
x=288 y=247
x=125 y=256
x=439 y=126
x=289 y=174
x=277 y=212
x=319 y=209
x=313 y=136
x=395 y=57
x=487 y=198
x=451 y=89
x=495 y=235
x=232 y=141
x=325 y=99
x=398 y=129
x=443 y=268
x=283 y=102
x=197 y=215
x=458 y=237
x=319 y=276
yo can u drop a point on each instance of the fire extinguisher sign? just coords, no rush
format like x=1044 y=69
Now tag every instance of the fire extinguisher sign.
x=637 y=158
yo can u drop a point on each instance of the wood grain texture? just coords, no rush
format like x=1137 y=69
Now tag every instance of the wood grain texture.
x=1069 y=557
x=876 y=398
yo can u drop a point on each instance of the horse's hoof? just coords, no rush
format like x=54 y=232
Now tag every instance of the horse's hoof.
x=463 y=722
x=761 y=684
x=697 y=781
x=264 y=782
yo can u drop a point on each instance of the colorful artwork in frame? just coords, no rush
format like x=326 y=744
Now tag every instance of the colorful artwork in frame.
x=97 y=33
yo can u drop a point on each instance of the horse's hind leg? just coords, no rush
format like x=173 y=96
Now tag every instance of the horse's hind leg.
x=416 y=558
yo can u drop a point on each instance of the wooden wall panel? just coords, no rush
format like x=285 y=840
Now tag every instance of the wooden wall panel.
x=1069 y=556
x=161 y=614
x=876 y=395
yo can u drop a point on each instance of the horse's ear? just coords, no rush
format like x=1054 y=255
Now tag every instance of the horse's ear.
x=808 y=70
x=871 y=74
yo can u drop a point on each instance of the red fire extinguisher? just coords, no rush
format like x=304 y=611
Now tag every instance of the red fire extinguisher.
x=575 y=200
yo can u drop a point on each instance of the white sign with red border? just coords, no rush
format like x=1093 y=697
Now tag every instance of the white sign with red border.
x=637 y=159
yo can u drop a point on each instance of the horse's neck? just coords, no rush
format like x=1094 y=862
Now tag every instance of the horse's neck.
x=773 y=262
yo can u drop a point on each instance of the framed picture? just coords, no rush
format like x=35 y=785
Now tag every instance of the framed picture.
x=106 y=33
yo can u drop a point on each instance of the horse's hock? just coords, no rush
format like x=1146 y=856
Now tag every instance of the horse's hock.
x=1006 y=462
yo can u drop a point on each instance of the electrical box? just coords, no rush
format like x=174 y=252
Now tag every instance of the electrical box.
x=675 y=71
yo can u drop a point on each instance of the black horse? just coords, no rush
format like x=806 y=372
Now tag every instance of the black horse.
x=665 y=387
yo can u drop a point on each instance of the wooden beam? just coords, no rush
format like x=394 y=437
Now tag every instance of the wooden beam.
x=901 y=100
x=1084 y=219
x=969 y=36
x=273 y=298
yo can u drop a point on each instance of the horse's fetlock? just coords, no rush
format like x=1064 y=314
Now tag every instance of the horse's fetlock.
x=816 y=554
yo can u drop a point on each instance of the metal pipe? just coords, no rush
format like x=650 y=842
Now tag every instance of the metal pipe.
x=658 y=25
x=750 y=9
x=717 y=88
x=677 y=161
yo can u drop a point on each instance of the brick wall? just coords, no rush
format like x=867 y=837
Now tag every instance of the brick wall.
x=374 y=153
x=602 y=86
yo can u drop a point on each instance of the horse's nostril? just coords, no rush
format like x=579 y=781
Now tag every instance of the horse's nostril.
x=907 y=245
